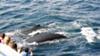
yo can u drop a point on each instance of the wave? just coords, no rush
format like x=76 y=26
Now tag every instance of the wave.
x=64 y=17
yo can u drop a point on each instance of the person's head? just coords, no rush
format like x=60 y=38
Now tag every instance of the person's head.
x=15 y=46
x=26 y=49
x=12 y=44
x=2 y=35
x=6 y=40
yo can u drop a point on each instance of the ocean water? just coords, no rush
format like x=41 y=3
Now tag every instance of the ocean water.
x=67 y=16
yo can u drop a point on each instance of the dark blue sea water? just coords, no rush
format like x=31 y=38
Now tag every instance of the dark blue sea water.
x=66 y=16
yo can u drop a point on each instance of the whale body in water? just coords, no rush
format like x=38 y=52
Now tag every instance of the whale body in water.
x=38 y=37
x=41 y=37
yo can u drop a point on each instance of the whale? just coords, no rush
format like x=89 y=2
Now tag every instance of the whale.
x=34 y=28
x=38 y=37
x=41 y=37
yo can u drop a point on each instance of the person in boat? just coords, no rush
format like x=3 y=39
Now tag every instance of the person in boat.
x=6 y=40
x=13 y=45
x=2 y=36
x=5 y=47
x=31 y=51
x=25 y=52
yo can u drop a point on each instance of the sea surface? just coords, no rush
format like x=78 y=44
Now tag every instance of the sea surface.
x=65 y=16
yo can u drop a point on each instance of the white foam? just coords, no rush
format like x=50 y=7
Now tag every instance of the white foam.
x=10 y=33
x=33 y=43
x=62 y=33
x=37 y=31
x=90 y=35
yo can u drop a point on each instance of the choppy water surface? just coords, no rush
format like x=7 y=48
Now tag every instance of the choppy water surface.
x=66 y=16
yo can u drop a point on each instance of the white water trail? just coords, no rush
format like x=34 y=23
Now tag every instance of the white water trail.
x=90 y=35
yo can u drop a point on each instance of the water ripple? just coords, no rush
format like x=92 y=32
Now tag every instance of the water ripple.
x=67 y=16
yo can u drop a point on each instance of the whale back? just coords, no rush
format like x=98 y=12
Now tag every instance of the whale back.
x=34 y=28
x=41 y=37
